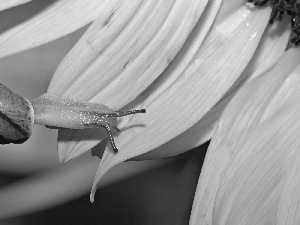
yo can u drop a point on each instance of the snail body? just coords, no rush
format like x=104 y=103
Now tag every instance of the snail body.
x=18 y=115
x=53 y=110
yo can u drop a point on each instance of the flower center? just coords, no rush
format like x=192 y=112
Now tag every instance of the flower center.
x=279 y=9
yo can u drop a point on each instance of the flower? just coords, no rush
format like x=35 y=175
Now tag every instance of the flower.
x=183 y=61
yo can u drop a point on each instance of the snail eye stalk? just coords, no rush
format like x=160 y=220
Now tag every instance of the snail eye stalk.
x=280 y=8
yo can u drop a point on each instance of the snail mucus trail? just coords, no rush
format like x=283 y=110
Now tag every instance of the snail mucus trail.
x=279 y=9
x=17 y=115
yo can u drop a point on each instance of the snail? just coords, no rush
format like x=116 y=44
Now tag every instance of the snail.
x=17 y=115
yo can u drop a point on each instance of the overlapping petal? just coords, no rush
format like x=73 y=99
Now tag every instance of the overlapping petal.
x=253 y=182
x=243 y=180
x=39 y=22
x=118 y=58
x=271 y=47
x=253 y=104
x=218 y=62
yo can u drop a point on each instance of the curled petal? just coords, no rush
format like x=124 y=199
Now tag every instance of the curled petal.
x=117 y=62
x=218 y=62
x=271 y=47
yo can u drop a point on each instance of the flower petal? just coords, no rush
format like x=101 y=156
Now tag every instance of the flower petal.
x=120 y=60
x=114 y=65
x=271 y=47
x=252 y=183
x=39 y=22
x=288 y=211
x=217 y=64
x=240 y=118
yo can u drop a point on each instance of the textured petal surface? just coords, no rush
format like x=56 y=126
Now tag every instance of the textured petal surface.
x=270 y=49
x=288 y=208
x=241 y=117
x=114 y=64
x=173 y=109
x=39 y=22
x=252 y=183
x=135 y=44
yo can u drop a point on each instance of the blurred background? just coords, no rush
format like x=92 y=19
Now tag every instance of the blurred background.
x=36 y=189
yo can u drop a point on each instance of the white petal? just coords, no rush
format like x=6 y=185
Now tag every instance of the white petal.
x=217 y=64
x=120 y=60
x=239 y=119
x=271 y=47
x=39 y=22
x=114 y=64
x=193 y=137
x=288 y=207
x=252 y=183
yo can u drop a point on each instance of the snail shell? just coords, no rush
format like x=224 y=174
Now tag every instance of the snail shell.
x=16 y=117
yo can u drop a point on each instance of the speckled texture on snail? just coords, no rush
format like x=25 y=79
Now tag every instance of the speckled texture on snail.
x=17 y=115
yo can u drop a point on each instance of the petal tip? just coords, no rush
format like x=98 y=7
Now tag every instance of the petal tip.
x=65 y=156
x=62 y=158
x=92 y=195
